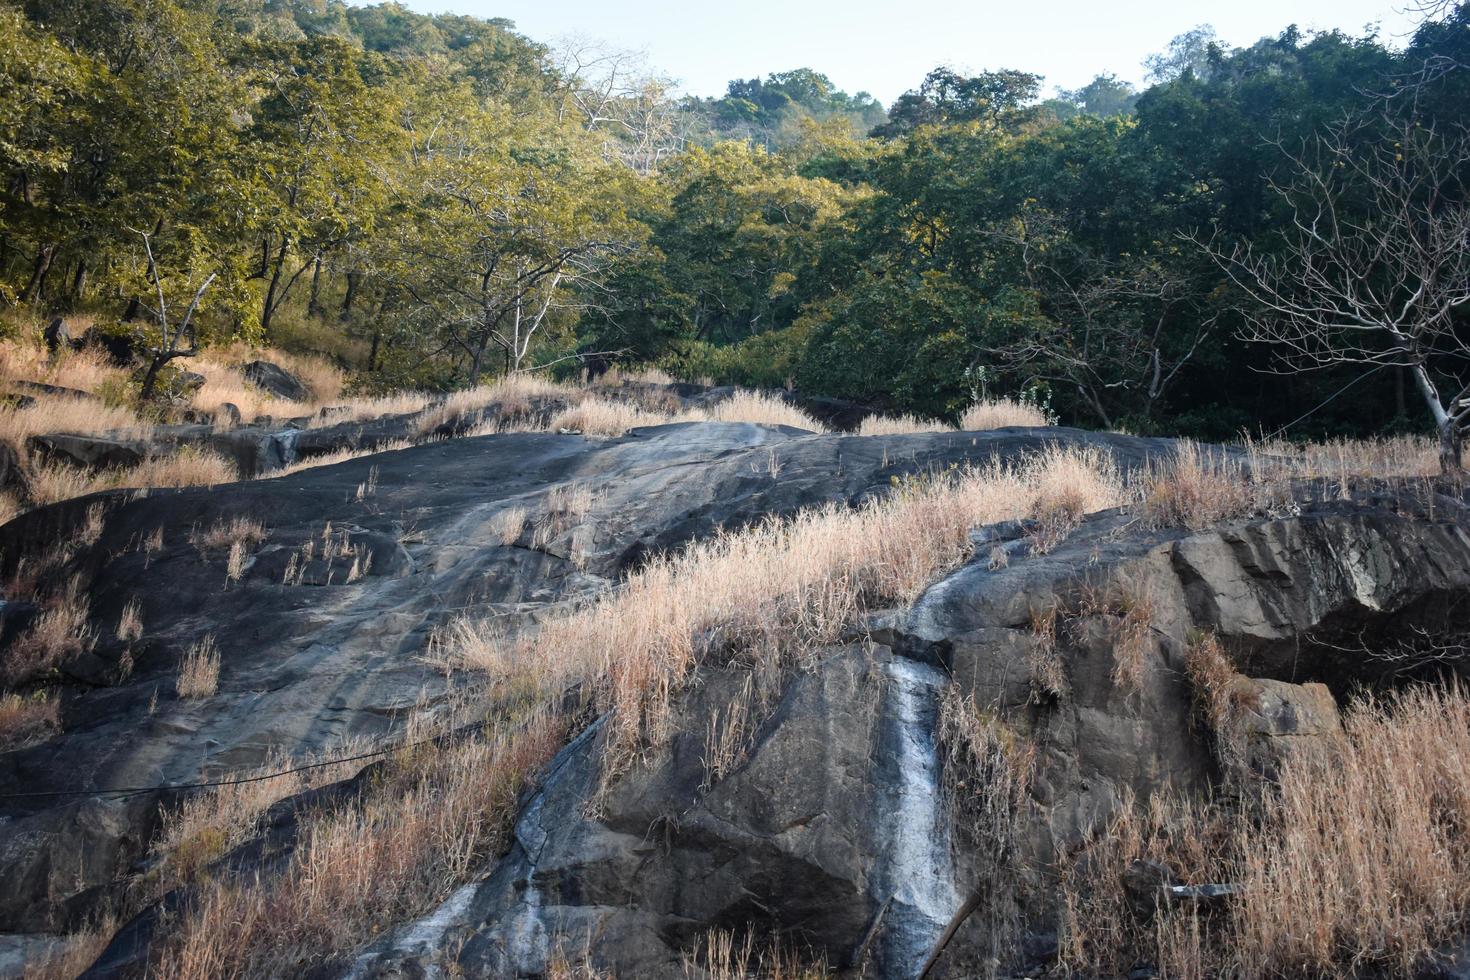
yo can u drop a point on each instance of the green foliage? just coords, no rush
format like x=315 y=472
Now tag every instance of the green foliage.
x=429 y=198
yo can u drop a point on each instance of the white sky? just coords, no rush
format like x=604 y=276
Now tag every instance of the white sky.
x=886 y=48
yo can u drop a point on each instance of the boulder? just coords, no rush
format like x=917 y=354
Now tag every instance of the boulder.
x=12 y=480
x=90 y=452
x=55 y=391
x=228 y=415
x=57 y=336
x=275 y=380
x=189 y=382
x=122 y=348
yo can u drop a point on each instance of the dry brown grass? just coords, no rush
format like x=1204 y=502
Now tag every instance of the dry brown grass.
x=1000 y=413
x=1068 y=486
x=513 y=394
x=226 y=533
x=23 y=718
x=53 y=413
x=759 y=597
x=199 y=670
x=1197 y=488
x=211 y=822
x=79 y=950
x=1046 y=673
x=507 y=525
x=419 y=828
x=130 y=623
x=720 y=954
x=897 y=425
x=762 y=409
x=87 y=370
x=60 y=632
x=600 y=417
x=1356 y=865
x=189 y=467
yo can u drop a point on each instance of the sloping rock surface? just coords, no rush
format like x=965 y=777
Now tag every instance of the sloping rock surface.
x=834 y=827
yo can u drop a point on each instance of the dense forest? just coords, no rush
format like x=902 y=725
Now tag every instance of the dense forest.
x=437 y=199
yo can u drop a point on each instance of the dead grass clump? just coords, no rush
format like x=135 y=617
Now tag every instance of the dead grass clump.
x=226 y=533
x=25 y=718
x=513 y=395
x=1217 y=700
x=60 y=632
x=506 y=525
x=897 y=425
x=10 y=506
x=59 y=413
x=1115 y=913
x=1046 y=673
x=1381 y=457
x=77 y=952
x=214 y=821
x=762 y=409
x=720 y=954
x=1197 y=488
x=758 y=597
x=189 y=467
x=1000 y=413
x=617 y=377
x=88 y=369
x=1065 y=485
x=425 y=823
x=199 y=670
x=599 y=417
x=130 y=623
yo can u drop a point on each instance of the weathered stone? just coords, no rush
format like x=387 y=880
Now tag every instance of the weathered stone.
x=275 y=380
x=57 y=336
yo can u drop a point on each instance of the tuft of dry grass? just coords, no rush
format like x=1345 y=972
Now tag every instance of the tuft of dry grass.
x=1197 y=488
x=1000 y=413
x=189 y=467
x=760 y=596
x=227 y=533
x=78 y=951
x=60 y=632
x=762 y=409
x=897 y=425
x=199 y=670
x=130 y=623
x=1046 y=673
x=513 y=395
x=721 y=954
x=600 y=417
x=507 y=525
x=1066 y=485
x=25 y=718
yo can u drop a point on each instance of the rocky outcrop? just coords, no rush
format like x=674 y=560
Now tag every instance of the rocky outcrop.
x=835 y=826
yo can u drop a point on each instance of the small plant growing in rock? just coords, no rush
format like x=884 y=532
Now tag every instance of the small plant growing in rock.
x=1046 y=674
x=24 y=718
x=61 y=631
x=199 y=670
x=130 y=623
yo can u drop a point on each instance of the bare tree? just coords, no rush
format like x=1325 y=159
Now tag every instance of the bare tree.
x=1375 y=265
x=169 y=341
x=615 y=94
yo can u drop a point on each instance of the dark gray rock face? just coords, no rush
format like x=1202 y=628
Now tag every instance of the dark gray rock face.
x=276 y=380
x=57 y=335
x=834 y=826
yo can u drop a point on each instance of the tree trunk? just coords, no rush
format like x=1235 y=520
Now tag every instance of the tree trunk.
x=313 y=308
x=269 y=309
x=135 y=306
x=44 y=255
x=351 y=294
x=1451 y=455
x=79 y=281
x=372 y=364
x=151 y=378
